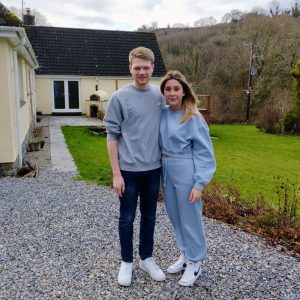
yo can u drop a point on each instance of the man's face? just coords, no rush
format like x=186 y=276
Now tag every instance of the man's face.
x=141 y=71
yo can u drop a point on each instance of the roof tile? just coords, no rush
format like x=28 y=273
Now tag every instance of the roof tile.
x=88 y=52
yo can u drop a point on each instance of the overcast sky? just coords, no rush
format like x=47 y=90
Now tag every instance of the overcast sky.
x=131 y=14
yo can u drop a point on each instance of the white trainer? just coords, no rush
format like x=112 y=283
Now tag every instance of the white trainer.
x=191 y=273
x=125 y=273
x=148 y=265
x=178 y=266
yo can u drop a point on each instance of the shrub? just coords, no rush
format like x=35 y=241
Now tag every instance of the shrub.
x=269 y=119
x=292 y=118
x=278 y=225
x=289 y=122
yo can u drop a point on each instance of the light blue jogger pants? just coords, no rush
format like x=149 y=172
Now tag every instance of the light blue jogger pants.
x=186 y=217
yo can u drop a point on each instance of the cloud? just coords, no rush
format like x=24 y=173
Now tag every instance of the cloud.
x=131 y=14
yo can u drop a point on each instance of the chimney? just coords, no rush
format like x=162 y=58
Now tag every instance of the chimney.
x=28 y=19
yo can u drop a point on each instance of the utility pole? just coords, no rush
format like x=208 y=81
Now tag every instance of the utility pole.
x=251 y=72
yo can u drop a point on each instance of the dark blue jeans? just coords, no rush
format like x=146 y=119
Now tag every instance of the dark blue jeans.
x=146 y=185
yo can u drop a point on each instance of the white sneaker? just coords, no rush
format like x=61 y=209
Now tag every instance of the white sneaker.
x=148 y=265
x=125 y=273
x=178 y=266
x=191 y=273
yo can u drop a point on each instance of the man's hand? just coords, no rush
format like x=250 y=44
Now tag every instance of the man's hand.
x=118 y=184
x=195 y=195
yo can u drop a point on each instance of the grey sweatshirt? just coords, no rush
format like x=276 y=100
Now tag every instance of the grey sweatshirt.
x=132 y=118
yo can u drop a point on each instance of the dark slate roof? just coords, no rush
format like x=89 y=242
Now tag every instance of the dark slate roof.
x=72 y=51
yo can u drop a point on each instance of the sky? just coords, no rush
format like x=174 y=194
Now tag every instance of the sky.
x=128 y=15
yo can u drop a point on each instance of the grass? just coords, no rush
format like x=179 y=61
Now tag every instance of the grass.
x=254 y=170
x=89 y=153
x=258 y=163
x=255 y=162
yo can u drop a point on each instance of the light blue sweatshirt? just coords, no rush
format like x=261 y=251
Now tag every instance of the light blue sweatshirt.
x=132 y=118
x=188 y=140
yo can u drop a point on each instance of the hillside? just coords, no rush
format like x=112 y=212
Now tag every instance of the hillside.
x=217 y=61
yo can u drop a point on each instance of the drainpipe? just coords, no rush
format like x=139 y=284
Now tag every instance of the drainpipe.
x=17 y=91
x=33 y=96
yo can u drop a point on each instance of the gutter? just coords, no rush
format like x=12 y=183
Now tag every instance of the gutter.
x=17 y=35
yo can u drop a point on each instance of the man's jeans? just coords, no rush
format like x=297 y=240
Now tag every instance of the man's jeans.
x=146 y=185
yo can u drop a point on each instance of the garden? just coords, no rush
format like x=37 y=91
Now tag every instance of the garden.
x=256 y=185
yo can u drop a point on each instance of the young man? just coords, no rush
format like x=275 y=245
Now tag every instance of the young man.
x=132 y=122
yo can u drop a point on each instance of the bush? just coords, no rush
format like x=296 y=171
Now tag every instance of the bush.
x=269 y=120
x=280 y=226
x=290 y=120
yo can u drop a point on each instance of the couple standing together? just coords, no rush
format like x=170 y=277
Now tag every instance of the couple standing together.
x=142 y=137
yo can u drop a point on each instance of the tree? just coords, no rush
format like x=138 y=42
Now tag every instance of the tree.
x=274 y=8
x=233 y=17
x=178 y=25
x=40 y=19
x=153 y=26
x=292 y=118
x=296 y=10
x=215 y=60
x=259 y=11
x=205 y=22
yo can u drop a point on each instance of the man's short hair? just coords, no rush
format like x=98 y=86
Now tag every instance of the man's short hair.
x=143 y=53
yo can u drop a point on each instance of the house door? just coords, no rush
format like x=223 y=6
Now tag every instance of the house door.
x=66 y=96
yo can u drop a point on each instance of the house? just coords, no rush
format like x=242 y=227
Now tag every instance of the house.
x=77 y=63
x=17 y=97
x=57 y=71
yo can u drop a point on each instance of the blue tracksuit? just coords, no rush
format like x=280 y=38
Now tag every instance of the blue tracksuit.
x=191 y=164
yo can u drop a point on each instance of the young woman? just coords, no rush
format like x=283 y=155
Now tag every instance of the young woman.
x=188 y=165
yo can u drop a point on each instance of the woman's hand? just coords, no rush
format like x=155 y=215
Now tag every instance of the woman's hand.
x=195 y=195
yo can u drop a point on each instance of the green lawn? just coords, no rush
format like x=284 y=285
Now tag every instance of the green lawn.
x=253 y=160
x=89 y=153
x=245 y=157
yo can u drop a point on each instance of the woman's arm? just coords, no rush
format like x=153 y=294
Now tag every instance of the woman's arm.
x=203 y=154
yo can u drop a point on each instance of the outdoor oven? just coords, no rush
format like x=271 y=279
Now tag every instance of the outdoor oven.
x=96 y=105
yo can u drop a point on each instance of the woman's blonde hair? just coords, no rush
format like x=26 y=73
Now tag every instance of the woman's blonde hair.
x=189 y=100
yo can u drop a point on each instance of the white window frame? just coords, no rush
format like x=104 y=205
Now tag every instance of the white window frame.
x=66 y=109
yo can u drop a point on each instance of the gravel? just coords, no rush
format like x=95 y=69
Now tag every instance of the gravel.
x=59 y=240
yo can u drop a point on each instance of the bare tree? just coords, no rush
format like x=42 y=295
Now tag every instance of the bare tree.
x=259 y=11
x=153 y=26
x=178 y=25
x=233 y=17
x=274 y=8
x=205 y=22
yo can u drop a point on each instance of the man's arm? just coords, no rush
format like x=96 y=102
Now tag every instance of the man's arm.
x=118 y=181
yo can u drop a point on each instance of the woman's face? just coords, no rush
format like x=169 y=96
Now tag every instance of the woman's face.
x=174 y=93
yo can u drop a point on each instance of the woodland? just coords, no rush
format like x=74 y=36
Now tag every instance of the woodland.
x=244 y=63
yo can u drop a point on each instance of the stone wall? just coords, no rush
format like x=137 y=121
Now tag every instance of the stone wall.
x=9 y=169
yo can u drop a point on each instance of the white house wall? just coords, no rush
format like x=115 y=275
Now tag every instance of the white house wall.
x=17 y=98
x=44 y=86
x=8 y=143
x=44 y=95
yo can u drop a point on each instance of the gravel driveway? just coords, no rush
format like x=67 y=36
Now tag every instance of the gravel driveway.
x=58 y=240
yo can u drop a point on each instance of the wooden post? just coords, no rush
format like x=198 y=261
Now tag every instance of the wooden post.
x=206 y=110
